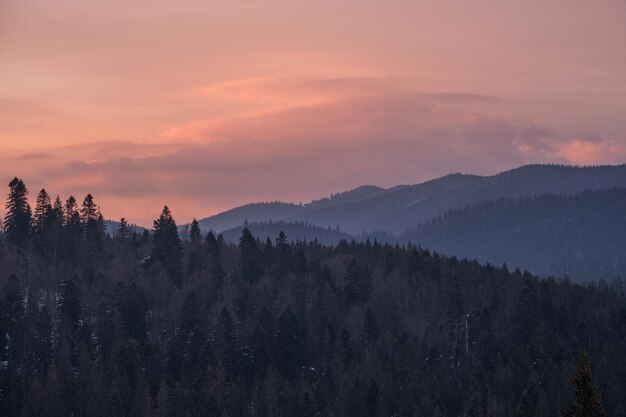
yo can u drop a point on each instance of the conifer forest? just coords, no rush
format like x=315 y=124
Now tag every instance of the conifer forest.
x=163 y=323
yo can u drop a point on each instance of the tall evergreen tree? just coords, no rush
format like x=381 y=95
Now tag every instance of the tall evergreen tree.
x=41 y=214
x=585 y=400
x=93 y=224
x=17 y=220
x=195 y=235
x=166 y=246
x=123 y=232
x=212 y=245
x=195 y=248
x=283 y=254
x=72 y=232
x=88 y=210
x=56 y=219
x=251 y=260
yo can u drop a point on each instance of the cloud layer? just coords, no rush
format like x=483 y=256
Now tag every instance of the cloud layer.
x=300 y=139
x=208 y=104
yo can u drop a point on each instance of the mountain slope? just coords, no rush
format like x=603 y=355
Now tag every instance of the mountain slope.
x=582 y=235
x=405 y=207
x=255 y=212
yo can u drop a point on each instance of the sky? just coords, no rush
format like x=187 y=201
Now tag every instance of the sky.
x=207 y=105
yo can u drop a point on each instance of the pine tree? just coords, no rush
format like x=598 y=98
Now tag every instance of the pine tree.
x=88 y=210
x=251 y=262
x=56 y=218
x=18 y=215
x=195 y=248
x=212 y=246
x=585 y=400
x=166 y=246
x=41 y=214
x=72 y=232
x=122 y=231
x=72 y=215
x=283 y=254
x=57 y=206
x=93 y=225
x=195 y=235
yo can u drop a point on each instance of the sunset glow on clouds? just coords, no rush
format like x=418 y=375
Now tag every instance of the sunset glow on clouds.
x=207 y=105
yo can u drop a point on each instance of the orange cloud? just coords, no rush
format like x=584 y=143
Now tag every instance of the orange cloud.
x=364 y=131
x=589 y=152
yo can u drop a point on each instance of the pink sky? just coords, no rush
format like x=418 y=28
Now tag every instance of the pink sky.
x=204 y=105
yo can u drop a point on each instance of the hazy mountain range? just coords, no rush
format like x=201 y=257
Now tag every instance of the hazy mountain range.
x=396 y=209
x=499 y=218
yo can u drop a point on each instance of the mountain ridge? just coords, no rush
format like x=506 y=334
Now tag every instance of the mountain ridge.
x=403 y=207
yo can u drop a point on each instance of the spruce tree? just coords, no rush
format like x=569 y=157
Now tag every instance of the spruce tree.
x=212 y=246
x=18 y=215
x=122 y=231
x=195 y=235
x=41 y=214
x=72 y=232
x=585 y=400
x=46 y=226
x=56 y=218
x=88 y=210
x=195 y=248
x=283 y=254
x=251 y=262
x=166 y=246
x=93 y=225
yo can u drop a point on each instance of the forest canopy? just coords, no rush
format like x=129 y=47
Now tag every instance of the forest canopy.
x=158 y=324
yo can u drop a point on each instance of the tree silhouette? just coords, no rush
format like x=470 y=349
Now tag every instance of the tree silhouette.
x=585 y=400
x=18 y=215
x=166 y=246
x=250 y=257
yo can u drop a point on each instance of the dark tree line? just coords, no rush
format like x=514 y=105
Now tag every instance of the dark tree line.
x=158 y=324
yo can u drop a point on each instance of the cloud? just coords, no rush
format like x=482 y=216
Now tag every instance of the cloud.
x=592 y=152
x=301 y=139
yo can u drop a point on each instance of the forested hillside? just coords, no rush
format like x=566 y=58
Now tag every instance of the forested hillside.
x=154 y=325
x=399 y=208
x=297 y=231
x=581 y=235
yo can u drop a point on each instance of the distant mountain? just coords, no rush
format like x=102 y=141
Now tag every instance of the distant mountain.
x=581 y=235
x=360 y=193
x=255 y=212
x=295 y=231
x=404 y=207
